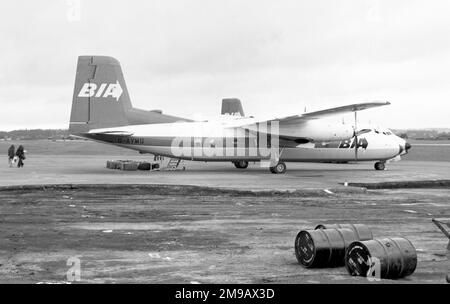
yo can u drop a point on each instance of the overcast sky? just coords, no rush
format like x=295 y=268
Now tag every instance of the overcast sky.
x=276 y=56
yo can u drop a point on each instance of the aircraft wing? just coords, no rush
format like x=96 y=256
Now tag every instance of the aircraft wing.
x=296 y=119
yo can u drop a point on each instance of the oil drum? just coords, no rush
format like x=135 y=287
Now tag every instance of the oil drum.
x=393 y=258
x=323 y=247
x=363 y=232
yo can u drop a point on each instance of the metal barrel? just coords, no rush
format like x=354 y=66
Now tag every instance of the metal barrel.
x=323 y=247
x=393 y=258
x=363 y=232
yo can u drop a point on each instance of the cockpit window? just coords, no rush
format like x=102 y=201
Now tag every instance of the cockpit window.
x=382 y=132
x=364 y=131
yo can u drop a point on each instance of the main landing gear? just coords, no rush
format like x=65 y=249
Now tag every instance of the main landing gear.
x=242 y=164
x=279 y=168
x=380 y=166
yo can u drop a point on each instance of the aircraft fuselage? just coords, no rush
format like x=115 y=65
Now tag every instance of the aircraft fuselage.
x=209 y=142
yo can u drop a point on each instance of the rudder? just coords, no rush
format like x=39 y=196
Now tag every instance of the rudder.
x=232 y=106
x=100 y=97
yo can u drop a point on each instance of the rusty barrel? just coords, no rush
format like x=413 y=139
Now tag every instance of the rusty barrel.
x=323 y=247
x=393 y=258
x=363 y=232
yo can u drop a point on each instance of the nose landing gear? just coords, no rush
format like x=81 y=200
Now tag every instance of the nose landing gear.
x=278 y=168
x=379 y=166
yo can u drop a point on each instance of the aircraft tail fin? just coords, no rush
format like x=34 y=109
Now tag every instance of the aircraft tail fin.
x=232 y=106
x=100 y=96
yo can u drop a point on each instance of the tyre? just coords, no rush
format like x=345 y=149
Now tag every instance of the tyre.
x=242 y=164
x=379 y=166
x=279 y=168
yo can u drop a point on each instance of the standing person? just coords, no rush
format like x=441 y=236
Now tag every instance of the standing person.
x=20 y=153
x=11 y=153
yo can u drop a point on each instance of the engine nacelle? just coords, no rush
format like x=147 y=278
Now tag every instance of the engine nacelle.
x=319 y=130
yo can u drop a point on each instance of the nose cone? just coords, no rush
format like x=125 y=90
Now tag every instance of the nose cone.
x=404 y=147
x=407 y=146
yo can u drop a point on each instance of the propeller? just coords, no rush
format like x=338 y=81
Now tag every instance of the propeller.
x=357 y=133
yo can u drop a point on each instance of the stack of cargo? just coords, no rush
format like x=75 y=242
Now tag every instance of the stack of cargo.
x=148 y=166
x=353 y=246
x=130 y=165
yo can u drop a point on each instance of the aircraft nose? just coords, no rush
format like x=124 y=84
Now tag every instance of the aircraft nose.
x=404 y=147
x=407 y=146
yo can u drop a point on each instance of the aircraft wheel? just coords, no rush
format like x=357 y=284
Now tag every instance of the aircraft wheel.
x=379 y=166
x=242 y=164
x=279 y=168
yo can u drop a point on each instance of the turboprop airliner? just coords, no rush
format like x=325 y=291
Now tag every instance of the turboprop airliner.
x=102 y=111
x=381 y=141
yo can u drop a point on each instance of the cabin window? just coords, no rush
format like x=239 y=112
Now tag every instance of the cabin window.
x=198 y=142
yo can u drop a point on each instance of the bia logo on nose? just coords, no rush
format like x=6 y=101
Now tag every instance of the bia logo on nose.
x=104 y=90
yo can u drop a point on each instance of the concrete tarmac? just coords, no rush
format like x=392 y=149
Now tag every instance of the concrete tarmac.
x=91 y=169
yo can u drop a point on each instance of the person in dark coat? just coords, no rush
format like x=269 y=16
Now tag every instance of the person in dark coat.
x=20 y=153
x=11 y=154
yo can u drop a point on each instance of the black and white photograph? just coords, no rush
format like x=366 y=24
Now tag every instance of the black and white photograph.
x=225 y=149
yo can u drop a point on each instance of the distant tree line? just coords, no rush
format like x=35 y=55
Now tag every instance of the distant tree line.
x=430 y=134
x=29 y=134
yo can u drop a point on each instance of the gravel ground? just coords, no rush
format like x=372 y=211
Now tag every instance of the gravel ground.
x=179 y=234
